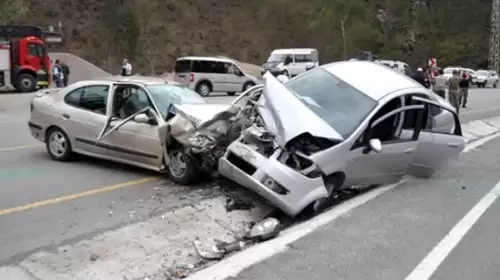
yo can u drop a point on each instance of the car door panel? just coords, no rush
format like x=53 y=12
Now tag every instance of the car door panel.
x=81 y=120
x=388 y=166
x=132 y=141
x=436 y=146
x=85 y=127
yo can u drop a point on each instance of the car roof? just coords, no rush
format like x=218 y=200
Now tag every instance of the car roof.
x=145 y=80
x=373 y=79
x=206 y=58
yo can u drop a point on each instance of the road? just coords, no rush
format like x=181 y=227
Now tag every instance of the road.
x=45 y=203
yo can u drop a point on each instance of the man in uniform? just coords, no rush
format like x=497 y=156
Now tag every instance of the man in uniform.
x=65 y=70
x=454 y=90
x=42 y=78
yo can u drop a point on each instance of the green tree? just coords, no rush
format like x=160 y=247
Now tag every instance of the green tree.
x=12 y=10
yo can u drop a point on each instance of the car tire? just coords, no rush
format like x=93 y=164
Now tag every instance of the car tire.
x=203 y=89
x=495 y=84
x=181 y=168
x=58 y=144
x=247 y=85
x=26 y=83
x=231 y=93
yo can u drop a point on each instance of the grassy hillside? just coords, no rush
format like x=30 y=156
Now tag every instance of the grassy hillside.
x=152 y=33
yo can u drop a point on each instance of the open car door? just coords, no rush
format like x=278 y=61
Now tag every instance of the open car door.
x=435 y=145
x=109 y=128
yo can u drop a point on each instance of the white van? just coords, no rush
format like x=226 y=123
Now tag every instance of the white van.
x=212 y=74
x=290 y=62
x=400 y=66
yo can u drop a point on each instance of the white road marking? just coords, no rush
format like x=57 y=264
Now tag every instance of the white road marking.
x=431 y=262
x=233 y=265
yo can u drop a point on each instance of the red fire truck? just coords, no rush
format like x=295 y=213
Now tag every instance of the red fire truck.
x=24 y=58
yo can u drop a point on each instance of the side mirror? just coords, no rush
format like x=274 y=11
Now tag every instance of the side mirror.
x=143 y=118
x=375 y=145
x=238 y=73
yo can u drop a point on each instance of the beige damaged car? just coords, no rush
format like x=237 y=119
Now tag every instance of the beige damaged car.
x=130 y=120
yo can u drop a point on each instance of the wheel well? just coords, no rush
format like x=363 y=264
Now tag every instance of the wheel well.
x=337 y=179
x=49 y=129
x=26 y=71
x=206 y=82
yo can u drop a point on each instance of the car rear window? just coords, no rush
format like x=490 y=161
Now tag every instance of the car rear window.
x=183 y=66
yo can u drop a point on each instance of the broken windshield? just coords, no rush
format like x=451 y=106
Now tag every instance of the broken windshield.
x=339 y=104
x=163 y=95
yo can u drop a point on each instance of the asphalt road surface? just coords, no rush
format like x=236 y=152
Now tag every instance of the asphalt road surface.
x=45 y=203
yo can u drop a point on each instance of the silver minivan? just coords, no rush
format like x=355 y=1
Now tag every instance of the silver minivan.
x=212 y=74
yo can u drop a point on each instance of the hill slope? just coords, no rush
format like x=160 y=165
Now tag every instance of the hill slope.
x=152 y=33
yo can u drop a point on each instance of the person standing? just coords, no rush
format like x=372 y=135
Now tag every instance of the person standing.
x=57 y=74
x=453 y=90
x=126 y=68
x=464 y=89
x=440 y=83
x=420 y=77
x=65 y=70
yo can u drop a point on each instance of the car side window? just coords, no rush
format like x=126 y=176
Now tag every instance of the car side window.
x=92 y=98
x=387 y=130
x=128 y=100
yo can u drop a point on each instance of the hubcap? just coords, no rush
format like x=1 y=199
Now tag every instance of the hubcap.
x=204 y=90
x=57 y=144
x=26 y=83
x=177 y=163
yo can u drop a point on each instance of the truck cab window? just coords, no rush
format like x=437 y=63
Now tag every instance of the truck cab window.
x=35 y=50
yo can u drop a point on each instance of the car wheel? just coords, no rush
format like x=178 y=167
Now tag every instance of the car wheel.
x=247 y=85
x=26 y=83
x=495 y=84
x=203 y=89
x=58 y=145
x=181 y=168
x=231 y=93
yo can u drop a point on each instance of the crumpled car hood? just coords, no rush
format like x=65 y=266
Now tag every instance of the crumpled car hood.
x=287 y=117
x=200 y=113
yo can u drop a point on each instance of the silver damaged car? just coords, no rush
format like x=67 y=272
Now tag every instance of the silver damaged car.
x=297 y=143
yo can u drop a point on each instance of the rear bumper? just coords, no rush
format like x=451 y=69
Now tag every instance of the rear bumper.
x=37 y=131
x=252 y=169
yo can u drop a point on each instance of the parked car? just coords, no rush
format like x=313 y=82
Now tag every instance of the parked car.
x=290 y=62
x=350 y=131
x=212 y=74
x=122 y=119
x=486 y=78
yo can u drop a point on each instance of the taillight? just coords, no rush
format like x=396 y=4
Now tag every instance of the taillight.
x=191 y=77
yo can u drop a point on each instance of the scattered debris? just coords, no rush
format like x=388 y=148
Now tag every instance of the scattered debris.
x=94 y=257
x=238 y=204
x=261 y=231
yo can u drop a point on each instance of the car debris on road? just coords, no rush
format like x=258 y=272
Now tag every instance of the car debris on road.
x=264 y=230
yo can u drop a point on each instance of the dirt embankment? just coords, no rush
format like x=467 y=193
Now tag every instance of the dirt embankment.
x=81 y=69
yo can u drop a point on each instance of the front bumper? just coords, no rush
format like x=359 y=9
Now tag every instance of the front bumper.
x=254 y=171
